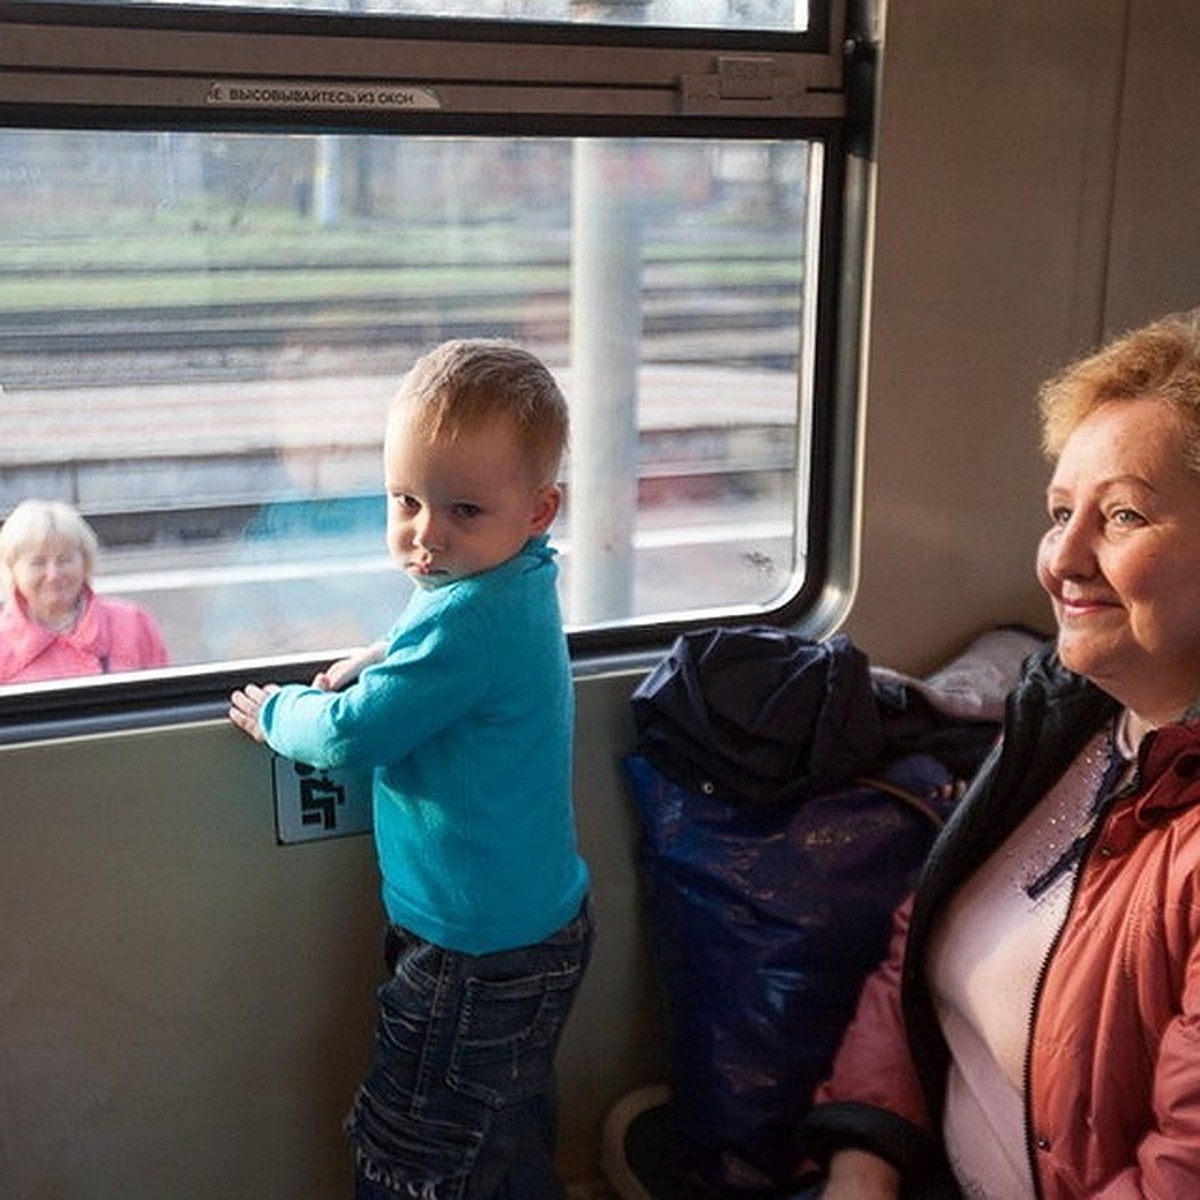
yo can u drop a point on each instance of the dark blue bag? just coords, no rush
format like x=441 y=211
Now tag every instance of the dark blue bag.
x=760 y=714
x=766 y=921
x=780 y=827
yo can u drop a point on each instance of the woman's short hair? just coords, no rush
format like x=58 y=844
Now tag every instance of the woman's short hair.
x=467 y=382
x=1161 y=359
x=35 y=522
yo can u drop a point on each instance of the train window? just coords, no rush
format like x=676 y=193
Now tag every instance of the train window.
x=716 y=14
x=213 y=275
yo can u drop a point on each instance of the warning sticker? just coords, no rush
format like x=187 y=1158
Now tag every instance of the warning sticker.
x=308 y=94
x=312 y=803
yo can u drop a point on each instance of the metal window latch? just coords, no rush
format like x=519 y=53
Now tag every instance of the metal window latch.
x=744 y=77
x=761 y=84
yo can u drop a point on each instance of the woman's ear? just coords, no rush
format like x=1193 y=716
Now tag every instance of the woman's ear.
x=545 y=507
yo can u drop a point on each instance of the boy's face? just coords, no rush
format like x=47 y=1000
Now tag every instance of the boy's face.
x=458 y=508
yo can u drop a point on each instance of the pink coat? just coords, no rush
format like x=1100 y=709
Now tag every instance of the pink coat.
x=1114 y=1063
x=110 y=635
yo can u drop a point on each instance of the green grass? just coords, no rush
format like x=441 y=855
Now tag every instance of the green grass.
x=201 y=256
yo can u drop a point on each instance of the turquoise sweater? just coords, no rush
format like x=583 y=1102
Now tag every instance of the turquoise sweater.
x=467 y=723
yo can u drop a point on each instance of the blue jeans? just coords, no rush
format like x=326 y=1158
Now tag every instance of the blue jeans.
x=459 y=1102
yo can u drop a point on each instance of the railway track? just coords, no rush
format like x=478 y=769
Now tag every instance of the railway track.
x=157 y=346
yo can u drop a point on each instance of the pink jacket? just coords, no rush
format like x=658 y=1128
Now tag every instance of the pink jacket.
x=1114 y=1063
x=110 y=635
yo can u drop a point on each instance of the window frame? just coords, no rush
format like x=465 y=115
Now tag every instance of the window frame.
x=97 y=65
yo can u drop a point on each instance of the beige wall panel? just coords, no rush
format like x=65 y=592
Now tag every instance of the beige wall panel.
x=995 y=154
x=1155 y=265
x=186 y=1006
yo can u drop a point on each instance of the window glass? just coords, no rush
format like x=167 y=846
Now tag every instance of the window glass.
x=200 y=332
x=789 y=15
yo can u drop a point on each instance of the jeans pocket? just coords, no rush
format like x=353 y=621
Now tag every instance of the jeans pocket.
x=408 y=1002
x=508 y=1033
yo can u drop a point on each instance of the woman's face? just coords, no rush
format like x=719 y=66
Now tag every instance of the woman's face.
x=50 y=577
x=1121 y=560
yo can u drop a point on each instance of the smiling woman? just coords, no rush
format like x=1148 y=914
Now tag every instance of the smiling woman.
x=53 y=624
x=1025 y=1064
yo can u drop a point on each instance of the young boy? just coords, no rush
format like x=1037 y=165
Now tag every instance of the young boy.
x=465 y=713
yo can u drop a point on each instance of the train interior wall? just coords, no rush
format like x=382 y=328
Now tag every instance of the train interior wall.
x=185 y=1006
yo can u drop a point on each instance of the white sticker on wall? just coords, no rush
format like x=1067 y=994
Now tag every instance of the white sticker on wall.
x=311 y=803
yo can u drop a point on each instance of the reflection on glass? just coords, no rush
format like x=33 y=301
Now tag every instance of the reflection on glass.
x=199 y=334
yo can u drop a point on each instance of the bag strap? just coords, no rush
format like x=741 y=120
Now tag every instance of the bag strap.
x=917 y=803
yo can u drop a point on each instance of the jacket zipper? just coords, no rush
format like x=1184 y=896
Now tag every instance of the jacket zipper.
x=1081 y=851
x=1039 y=985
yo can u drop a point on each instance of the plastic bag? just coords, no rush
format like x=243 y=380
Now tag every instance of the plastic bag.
x=766 y=920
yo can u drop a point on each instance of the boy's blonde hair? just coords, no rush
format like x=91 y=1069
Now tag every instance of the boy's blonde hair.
x=1160 y=360
x=468 y=382
x=35 y=522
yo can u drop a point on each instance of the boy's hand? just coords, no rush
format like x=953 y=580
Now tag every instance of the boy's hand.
x=346 y=670
x=244 y=706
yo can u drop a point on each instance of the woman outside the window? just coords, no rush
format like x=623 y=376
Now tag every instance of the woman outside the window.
x=53 y=624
